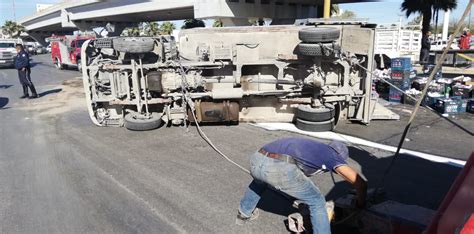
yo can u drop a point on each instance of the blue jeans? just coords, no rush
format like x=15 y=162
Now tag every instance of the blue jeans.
x=289 y=179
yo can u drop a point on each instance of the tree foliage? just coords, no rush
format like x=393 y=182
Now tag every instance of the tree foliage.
x=348 y=15
x=152 y=29
x=416 y=20
x=193 y=23
x=427 y=8
x=335 y=10
x=12 y=29
x=167 y=28
x=131 y=32
x=217 y=24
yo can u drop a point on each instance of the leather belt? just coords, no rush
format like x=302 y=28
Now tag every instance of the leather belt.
x=281 y=157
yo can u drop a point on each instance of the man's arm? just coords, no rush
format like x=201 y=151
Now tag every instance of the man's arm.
x=351 y=176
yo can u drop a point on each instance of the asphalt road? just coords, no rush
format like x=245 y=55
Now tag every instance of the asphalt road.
x=61 y=174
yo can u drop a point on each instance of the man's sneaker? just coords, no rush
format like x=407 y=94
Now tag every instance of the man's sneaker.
x=33 y=96
x=24 y=96
x=241 y=220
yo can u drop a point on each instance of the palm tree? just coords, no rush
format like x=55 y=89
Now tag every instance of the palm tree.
x=131 y=32
x=167 y=28
x=152 y=29
x=335 y=10
x=12 y=29
x=193 y=23
x=427 y=8
x=348 y=15
x=218 y=23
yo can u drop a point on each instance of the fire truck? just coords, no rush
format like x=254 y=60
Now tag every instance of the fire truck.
x=66 y=51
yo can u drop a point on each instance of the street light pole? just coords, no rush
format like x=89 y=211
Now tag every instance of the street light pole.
x=14 y=10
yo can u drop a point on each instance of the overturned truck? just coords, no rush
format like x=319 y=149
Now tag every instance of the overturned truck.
x=313 y=76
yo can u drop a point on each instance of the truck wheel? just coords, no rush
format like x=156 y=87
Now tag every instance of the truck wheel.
x=59 y=65
x=315 y=126
x=306 y=112
x=79 y=65
x=316 y=35
x=134 y=45
x=137 y=122
x=317 y=49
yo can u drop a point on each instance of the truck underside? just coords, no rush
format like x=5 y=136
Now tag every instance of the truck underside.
x=310 y=75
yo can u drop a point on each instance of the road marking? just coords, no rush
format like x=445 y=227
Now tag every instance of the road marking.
x=358 y=141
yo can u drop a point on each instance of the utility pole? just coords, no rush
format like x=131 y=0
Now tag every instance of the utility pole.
x=14 y=10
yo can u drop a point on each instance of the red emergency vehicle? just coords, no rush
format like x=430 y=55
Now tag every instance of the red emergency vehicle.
x=66 y=50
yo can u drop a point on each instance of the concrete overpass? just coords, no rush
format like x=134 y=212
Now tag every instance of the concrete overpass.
x=70 y=16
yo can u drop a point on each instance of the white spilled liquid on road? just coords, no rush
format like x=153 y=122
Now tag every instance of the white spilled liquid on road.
x=358 y=141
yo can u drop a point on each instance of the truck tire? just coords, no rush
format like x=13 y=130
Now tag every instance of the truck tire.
x=135 y=45
x=316 y=35
x=137 y=123
x=317 y=49
x=315 y=126
x=305 y=112
x=59 y=65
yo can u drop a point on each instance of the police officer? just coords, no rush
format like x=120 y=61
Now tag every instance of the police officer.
x=22 y=64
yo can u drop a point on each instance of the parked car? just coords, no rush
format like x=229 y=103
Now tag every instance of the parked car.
x=441 y=44
x=40 y=50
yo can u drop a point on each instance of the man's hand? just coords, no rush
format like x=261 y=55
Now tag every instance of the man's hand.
x=23 y=69
x=351 y=176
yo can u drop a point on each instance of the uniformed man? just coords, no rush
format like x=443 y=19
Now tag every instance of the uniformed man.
x=22 y=64
x=286 y=164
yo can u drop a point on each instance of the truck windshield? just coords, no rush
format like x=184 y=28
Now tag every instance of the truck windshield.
x=7 y=45
x=79 y=43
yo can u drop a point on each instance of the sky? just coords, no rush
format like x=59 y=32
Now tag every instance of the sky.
x=387 y=11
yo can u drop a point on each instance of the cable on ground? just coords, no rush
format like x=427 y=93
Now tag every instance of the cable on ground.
x=189 y=103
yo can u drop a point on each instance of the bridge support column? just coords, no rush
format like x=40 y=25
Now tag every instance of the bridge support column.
x=235 y=22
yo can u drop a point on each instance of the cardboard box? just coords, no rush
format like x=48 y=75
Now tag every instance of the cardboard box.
x=401 y=64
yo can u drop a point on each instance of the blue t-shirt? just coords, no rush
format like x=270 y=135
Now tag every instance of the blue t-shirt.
x=315 y=156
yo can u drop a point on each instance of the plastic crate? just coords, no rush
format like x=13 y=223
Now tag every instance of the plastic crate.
x=395 y=95
x=462 y=106
x=402 y=84
x=401 y=64
x=462 y=92
x=448 y=106
x=470 y=106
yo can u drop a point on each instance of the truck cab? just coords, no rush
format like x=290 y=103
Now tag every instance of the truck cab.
x=66 y=51
x=8 y=52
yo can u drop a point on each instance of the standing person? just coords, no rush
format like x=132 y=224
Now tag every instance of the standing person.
x=465 y=41
x=286 y=166
x=425 y=48
x=22 y=64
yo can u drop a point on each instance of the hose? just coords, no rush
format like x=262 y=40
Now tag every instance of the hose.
x=189 y=102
